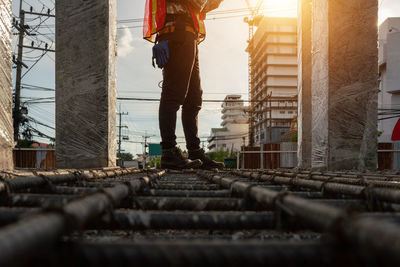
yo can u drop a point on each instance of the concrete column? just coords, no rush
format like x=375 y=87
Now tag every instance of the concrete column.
x=304 y=83
x=344 y=84
x=6 y=122
x=85 y=83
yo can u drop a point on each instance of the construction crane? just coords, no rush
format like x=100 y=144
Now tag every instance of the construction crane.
x=255 y=17
x=253 y=20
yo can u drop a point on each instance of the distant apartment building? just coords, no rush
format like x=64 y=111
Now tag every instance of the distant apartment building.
x=234 y=126
x=273 y=81
x=389 y=70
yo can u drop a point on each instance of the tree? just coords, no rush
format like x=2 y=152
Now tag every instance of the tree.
x=27 y=140
x=126 y=156
x=219 y=155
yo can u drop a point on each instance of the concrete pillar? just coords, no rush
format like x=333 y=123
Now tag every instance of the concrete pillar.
x=304 y=83
x=6 y=122
x=85 y=83
x=344 y=84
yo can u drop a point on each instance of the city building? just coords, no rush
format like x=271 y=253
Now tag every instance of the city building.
x=235 y=126
x=273 y=79
x=389 y=70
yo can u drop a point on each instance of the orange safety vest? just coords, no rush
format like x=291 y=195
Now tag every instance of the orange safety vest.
x=154 y=20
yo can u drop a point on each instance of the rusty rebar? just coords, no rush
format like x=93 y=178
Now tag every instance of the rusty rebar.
x=194 y=204
x=329 y=186
x=36 y=233
x=378 y=237
x=18 y=183
x=143 y=220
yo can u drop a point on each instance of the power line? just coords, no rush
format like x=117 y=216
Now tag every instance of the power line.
x=25 y=32
x=204 y=101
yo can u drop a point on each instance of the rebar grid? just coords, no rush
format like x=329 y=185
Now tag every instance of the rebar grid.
x=180 y=218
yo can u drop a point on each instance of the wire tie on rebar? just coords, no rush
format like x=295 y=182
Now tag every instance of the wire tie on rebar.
x=369 y=196
x=153 y=178
x=232 y=182
x=153 y=181
x=79 y=177
x=324 y=183
x=271 y=178
x=277 y=204
x=230 y=185
x=247 y=195
x=93 y=173
x=258 y=177
x=106 y=174
x=131 y=192
x=362 y=180
x=48 y=182
x=219 y=179
x=291 y=181
x=277 y=200
x=109 y=197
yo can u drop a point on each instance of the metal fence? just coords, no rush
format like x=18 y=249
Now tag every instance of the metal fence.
x=34 y=158
x=284 y=155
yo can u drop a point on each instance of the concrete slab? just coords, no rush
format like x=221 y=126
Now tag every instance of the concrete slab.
x=304 y=83
x=6 y=122
x=344 y=84
x=86 y=83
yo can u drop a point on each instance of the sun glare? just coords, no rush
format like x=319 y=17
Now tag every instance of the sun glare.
x=279 y=8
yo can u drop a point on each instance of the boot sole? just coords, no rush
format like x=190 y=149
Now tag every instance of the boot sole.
x=192 y=165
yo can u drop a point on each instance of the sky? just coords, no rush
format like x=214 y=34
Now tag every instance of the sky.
x=223 y=66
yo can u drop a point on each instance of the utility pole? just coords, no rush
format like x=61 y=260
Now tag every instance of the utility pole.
x=120 y=126
x=22 y=28
x=145 y=137
x=17 y=98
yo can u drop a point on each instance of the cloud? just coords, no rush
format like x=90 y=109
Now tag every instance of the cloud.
x=125 y=43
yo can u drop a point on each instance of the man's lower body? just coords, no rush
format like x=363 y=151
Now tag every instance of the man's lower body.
x=181 y=87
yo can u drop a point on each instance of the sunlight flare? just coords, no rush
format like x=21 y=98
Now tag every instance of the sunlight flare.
x=279 y=8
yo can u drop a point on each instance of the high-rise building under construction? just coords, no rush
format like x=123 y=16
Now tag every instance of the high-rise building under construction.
x=273 y=79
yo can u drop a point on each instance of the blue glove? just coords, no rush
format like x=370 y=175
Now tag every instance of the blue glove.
x=161 y=54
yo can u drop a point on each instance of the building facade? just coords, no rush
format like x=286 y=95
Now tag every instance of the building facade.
x=273 y=81
x=389 y=71
x=234 y=131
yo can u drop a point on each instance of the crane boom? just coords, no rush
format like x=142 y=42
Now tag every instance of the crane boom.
x=256 y=9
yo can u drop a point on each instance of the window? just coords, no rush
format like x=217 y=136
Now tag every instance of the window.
x=290 y=112
x=282 y=112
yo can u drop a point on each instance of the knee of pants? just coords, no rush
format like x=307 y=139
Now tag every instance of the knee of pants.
x=191 y=109
x=169 y=106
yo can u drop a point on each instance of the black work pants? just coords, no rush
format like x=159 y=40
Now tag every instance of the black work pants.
x=181 y=87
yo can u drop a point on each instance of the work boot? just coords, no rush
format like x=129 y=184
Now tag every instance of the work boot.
x=174 y=159
x=208 y=164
